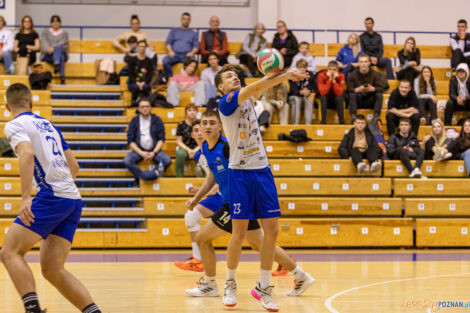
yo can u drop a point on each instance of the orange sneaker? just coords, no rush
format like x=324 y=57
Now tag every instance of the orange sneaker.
x=191 y=264
x=281 y=270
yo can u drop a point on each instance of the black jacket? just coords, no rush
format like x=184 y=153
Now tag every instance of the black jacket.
x=399 y=102
x=376 y=79
x=454 y=88
x=347 y=143
x=291 y=45
x=140 y=70
x=428 y=153
x=157 y=130
x=457 y=147
x=411 y=56
x=296 y=87
x=396 y=141
x=372 y=45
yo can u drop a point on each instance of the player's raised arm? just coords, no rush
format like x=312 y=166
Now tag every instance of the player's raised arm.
x=26 y=159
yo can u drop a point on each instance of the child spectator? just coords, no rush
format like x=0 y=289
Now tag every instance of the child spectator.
x=187 y=81
x=460 y=147
x=425 y=89
x=26 y=45
x=348 y=55
x=187 y=146
x=303 y=54
x=276 y=98
x=299 y=93
x=54 y=44
x=254 y=42
x=436 y=143
x=208 y=75
x=285 y=41
x=403 y=103
x=140 y=73
x=410 y=61
x=331 y=88
x=459 y=93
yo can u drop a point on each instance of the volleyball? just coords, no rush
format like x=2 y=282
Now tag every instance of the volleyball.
x=270 y=61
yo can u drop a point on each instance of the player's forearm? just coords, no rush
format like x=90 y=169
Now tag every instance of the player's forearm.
x=134 y=147
x=158 y=147
x=26 y=163
x=208 y=184
x=265 y=83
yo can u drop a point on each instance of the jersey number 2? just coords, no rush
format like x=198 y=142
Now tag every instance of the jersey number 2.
x=55 y=148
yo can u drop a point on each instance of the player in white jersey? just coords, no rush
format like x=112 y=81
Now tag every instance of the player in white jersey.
x=252 y=190
x=54 y=213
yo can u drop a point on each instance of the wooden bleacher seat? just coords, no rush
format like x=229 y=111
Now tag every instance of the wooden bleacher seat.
x=394 y=168
x=442 y=87
x=41 y=110
x=440 y=232
x=40 y=97
x=413 y=187
x=390 y=51
x=7 y=80
x=427 y=207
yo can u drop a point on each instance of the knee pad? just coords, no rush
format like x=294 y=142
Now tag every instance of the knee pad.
x=192 y=219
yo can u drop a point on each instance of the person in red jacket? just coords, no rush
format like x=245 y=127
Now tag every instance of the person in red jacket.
x=330 y=88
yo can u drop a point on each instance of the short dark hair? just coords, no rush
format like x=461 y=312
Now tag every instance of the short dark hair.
x=142 y=41
x=405 y=80
x=302 y=63
x=218 y=76
x=359 y=117
x=462 y=21
x=190 y=106
x=144 y=99
x=212 y=53
x=18 y=96
x=188 y=62
x=364 y=56
x=132 y=39
x=211 y=113
x=303 y=43
x=333 y=63
x=135 y=17
x=186 y=13
x=196 y=122
x=404 y=119
x=369 y=19
x=56 y=17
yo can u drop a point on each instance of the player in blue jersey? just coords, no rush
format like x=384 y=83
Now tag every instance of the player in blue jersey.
x=53 y=215
x=252 y=190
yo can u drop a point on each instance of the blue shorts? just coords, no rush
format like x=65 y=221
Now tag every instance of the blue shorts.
x=253 y=194
x=54 y=215
x=213 y=203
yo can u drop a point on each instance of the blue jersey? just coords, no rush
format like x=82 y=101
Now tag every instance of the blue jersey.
x=218 y=160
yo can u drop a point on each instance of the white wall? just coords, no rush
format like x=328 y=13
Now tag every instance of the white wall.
x=9 y=12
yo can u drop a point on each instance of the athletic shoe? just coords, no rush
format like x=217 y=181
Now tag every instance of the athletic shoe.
x=204 y=289
x=301 y=285
x=192 y=264
x=42 y=311
x=230 y=293
x=416 y=173
x=375 y=166
x=281 y=271
x=362 y=168
x=264 y=295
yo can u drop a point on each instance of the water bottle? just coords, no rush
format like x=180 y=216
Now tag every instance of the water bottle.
x=198 y=170
x=161 y=169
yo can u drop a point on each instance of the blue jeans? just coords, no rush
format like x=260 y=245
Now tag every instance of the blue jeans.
x=387 y=63
x=169 y=61
x=132 y=159
x=59 y=56
x=8 y=62
x=466 y=160
x=135 y=90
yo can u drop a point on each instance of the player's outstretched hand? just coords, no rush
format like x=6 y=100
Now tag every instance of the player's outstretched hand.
x=26 y=215
x=193 y=190
x=295 y=75
x=191 y=203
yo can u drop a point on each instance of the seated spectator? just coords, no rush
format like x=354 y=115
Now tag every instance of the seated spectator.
x=304 y=55
x=460 y=44
x=331 y=88
x=435 y=144
x=140 y=73
x=7 y=42
x=410 y=61
x=208 y=75
x=403 y=103
x=187 y=146
x=187 y=81
x=181 y=43
x=459 y=93
x=146 y=136
x=358 y=144
x=276 y=98
x=254 y=42
x=460 y=147
x=285 y=41
x=404 y=146
x=348 y=55
x=26 y=45
x=365 y=87
x=214 y=40
x=425 y=89
x=372 y=45
x=54 y=44
x=299 y=94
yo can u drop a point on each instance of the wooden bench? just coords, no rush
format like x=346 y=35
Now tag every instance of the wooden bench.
x=427 y=207
x=442 y=87
x=390 y=51
x=442 y=232
x=8 y=80
x=41 y=110
x=40 y=97
x=431 y=187
x=429 y=168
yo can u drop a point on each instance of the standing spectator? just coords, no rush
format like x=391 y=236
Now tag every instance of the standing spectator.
x=7 y=42
x=403 y=103
x=358 y=144
x=299 y=93
x=26 y=45
x=187 y=81
x=285 y=41
x=425 y=88
x=404 y=146
x=460 y=43
x=54 y=44
x=348 y=55
x=372 y=45
x=187 y=146
x=181 y=44
x=410 y=61
x=214 y=40
x=460 y=147
x=208 y=75
x=435 y=144
x=140 y=73
x=145 y=137
x=276 y=98
x=365 y=87
x=304 y=55
x=254 y=42
x=459 y=93
x=331 y=88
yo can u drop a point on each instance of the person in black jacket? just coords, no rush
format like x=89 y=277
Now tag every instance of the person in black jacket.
x=460 y=44
x=285 y=41
x=410 y=61
x=460 y=147
x=459 y=93
x=403 y=102
x=145 y=138
x=140 y=73
x=404 y=146
x=359 y=143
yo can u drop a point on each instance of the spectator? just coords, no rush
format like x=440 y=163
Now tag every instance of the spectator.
x=254 y=42
x=358 y=144
x=304 y=55
x=214 y=40
x=181 y=44
x=331 y=88
x=285 y=41
x=276 y=98
x=7 y=42
x=403 y=103
x=208 y=75
x=187 y=81
x=404 y=146
x=54 y=44
x=348 y=55
x=435 y=144
x=410 y=61
x=140 y=73
x=460 y=43
x=460 y=147
x=425 y=88
x=26 y=45
x=187 y=146
x=459 y=93
x=146 y=136
x=299 y=93
x=365 y=87
x=372 y=45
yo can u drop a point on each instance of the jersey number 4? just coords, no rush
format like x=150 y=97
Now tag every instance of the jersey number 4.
x=55 y=147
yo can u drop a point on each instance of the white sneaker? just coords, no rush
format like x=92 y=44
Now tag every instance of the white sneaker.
x=262 y=129
x=446 y=156
x=362 y=168
x=204 y=289
x=301 y=285
x=230 y=293
x=264 y=295
x=375 y=166
x=416 y=173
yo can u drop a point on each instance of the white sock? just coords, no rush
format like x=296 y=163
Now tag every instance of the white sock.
x=230 y=273
x=209 y=278
x=264 y=278
x=196 y=253
x=297 y=272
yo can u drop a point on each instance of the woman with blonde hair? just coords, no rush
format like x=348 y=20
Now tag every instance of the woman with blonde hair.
x=410 y=61
x=435 y=144
x=349 y=54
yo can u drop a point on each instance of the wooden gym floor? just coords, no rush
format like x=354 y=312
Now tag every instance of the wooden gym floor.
x=346 y=281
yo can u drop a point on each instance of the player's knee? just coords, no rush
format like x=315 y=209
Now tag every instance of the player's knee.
x=192 y=219
x=271 y=231
x=51 y=272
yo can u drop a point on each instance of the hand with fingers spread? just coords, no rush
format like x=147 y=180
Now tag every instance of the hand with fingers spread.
x=26 y=215
x=295 y=75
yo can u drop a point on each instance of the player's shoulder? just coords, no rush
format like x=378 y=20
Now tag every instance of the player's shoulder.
x=229 y=97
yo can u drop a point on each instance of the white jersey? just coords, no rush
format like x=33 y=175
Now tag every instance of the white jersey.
x=241 y=128
x=51 y=171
